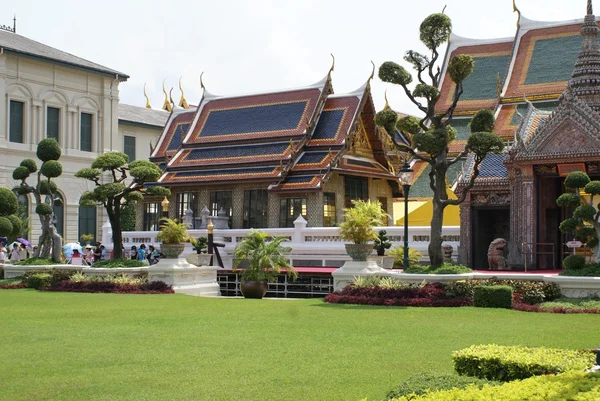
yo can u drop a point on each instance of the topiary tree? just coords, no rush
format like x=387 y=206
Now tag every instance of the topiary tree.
x=45 y=193
x=10 y=223
x=431 y=136
x=585 y=222
x=110 y=173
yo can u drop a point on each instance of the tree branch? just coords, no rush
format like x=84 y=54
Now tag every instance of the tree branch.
x=459 y=157
x=463 y=194
x=434 y=77
x=458 y=91
x=411 y=151
x=415 y=101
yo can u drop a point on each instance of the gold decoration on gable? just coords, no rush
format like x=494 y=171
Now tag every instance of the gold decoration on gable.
x=361 y=146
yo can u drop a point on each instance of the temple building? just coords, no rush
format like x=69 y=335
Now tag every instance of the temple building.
x=544 y=86
x=265 y=159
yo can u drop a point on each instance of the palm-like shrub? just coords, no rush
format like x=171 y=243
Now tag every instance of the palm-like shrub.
x=172 y=232
x=398 y=253
x=359 y=221
x=265 y=258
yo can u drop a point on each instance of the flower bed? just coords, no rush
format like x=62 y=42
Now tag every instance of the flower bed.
x=157 y=287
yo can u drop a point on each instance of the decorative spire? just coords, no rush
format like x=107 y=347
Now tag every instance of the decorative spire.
x=166 y=105
x=182 y=103
x=202 y=83
x=373 y=71
x=332 y=63
x=585 y=81
x=148 y=106
x=516 y=10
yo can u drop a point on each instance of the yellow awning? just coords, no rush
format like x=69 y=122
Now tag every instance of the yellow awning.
x=420 y=212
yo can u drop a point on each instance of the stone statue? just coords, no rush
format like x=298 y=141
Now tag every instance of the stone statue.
x=447 y=251
x=495 y=254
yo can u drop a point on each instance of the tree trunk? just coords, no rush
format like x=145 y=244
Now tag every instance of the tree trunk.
x=436 y=256
x=113 y=209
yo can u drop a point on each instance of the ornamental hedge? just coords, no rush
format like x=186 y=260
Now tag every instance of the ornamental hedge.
x=493 y=296
x=423 y=383
x=506 y=363
x=156 y=287
x=568 y=386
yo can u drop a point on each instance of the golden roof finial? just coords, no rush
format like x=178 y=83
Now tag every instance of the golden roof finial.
x=182 y=103
x=516 y=10
x=444 y=9
x=202 y=83
x=387 y=104
x=332 y=63
x=166 y=105
x=146 y=96
x=372 y=72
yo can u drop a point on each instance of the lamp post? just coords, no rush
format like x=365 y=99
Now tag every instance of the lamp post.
x=406 y=174
x=165 y=207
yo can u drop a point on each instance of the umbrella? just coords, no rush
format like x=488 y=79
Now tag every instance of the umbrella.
x=24 y=241
x=68 y=249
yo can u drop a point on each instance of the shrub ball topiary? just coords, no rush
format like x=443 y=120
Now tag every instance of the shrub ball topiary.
x=483 y=121
x=39 y=280
x=574 y=262
x=460 y=67
x=577 y=179
x=493 y=296
x=394 y=73
x=584 y=212
x=386 y=118
x=9 y=203
x=51 y=169
x=17 y=225
x=567 y=226
x=6 y=227
x=20 y=173
x=48 y=149
x=43 y=209
x=30 y=164
x=48 y=189
x=408 y=125
x=435 y=30
x=568 y=199
x=593 y=188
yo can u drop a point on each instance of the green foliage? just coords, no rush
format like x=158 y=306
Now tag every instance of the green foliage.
x=584 y=212
x=394 y=73
x=86 y=238
x=43 y=209
x=589 y=270
x=435 y=30
x=483 y=143
x=492 y=296
x=51 y=169
x=568 y=386
x=426 y=91
x=199 y=245
x=531 y=292
x=110 y=161
x=398 y=253
x=584 y=233
x=568 y=199
x=445 y=268
x=460 y=67
x=9 y=204
x=265 y=259
x=359 y=221
x=36 y=262
x=114 y=263
x=506 y=363
x=592 y=188
x=48 y=149
x=419 y=61
x=134 y=196
x=6 y=227
x=157 y=190
x=386 y=118
x=423 y=383
x=30 y=164
x=568 y=225
x=172 y=232
x=577 y=179
x=408 y=125
x=483 y=121
x=20 y=173
x=434 y=141
x=382 y=242
x=107 y=191
x=574 y=262
x=573 y=304
x=144 y=170
x=36 y=281
x=17 y=225
x=88 y=173
x=48 y=187
x=128 y=216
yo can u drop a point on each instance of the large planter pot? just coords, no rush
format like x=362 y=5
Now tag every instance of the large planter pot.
x=172 y=251
x=385 y=262
x=359 y=252
x=254 y=289
x=198 y=259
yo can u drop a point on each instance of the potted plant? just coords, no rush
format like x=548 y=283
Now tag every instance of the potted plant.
x=357 y=228
x=264 y=260
x=86 y=239
x=382 y=242
x=201 y=257
x=173 y=236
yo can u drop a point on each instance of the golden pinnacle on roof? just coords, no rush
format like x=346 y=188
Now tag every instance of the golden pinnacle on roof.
x=372 y=72
x=201 y=82
x=166 y=105
x=516 y=10
x=182 y=103
x=332 y=63
x=148 y=106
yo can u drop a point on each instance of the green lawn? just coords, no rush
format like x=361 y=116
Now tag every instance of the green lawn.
x=66 y=346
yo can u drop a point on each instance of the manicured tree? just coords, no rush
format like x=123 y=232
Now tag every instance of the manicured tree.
x=110 y=173
x=585 y=223
x=431 y=136
x=10 y=224
x=44 y=191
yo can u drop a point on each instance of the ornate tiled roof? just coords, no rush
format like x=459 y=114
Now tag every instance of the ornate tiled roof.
x=172 y=137
x=237 y=174
x=492 y=166
x=314 y=160
x=364 y=167
x=510 y=116
x=299 y=183
x=420 y=188
x=335 y=121
x=238 y=154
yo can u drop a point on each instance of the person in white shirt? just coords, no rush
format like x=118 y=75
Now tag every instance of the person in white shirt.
x=15 y=253
x=2 y=255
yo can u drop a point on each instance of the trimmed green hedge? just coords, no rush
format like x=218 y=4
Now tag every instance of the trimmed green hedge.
x=38 y=280
x=506 y=363
x=423 y=383
x=492 y=296
x=568 y=386
x=114 y=263
x=446 y=268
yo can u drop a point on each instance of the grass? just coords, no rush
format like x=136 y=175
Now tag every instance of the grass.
x=68 y=346
x=573 y=303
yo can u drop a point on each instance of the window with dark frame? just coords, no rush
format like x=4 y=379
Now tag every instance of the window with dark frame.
x=86 y=133
x=16 y=121
x=52 y=123
x=152 y=215
x=87 y=221
x=355 y=188
x=129 y=147
x=329 y=212
x=290 y=209
x=221 y=200
x=255 y=208
x=185 y=201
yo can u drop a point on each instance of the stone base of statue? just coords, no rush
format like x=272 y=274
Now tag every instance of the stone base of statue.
x=186 y=278
x=345 y=275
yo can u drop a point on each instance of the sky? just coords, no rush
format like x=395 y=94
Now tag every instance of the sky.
x=260 y=45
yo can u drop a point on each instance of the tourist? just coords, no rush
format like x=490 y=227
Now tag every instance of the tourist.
x=102 y=252
x=152 y=255
x=15 y=253
x=133 y=253
x=89 y=255
x=2 y=255
x=142 y=253
x=76 y=258
x=97 y=252
x=24 y=252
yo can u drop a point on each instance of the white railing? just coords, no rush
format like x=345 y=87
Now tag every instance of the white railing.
x=311 y=246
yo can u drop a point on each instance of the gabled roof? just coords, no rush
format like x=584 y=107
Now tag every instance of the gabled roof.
x=172 y=137
x=136 y=115
x=20 y=45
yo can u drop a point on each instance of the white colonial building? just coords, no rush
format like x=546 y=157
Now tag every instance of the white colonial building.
x=45 y=92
